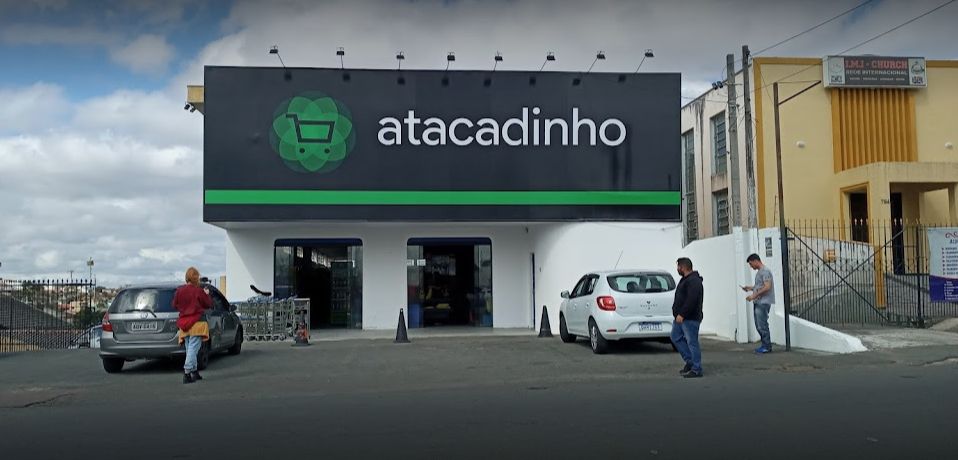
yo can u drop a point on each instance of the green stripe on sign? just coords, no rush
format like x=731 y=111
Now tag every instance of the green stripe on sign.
x=440 y=198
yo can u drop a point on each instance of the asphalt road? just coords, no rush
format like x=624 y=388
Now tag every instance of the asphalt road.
x=484 y=398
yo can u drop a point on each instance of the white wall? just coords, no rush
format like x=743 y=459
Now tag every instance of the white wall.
x=721 y=261
x=249 y=260
x=565 y=252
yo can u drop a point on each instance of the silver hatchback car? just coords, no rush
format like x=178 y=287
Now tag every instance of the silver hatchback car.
x=141 y=324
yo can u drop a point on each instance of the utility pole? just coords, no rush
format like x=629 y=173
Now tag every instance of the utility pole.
x=735 y=191
x=782 y=229
x=749 y=137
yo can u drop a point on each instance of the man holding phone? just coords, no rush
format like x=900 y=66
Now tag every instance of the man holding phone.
x=762 y=298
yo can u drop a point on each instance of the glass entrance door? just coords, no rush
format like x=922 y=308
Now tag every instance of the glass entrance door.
x=449 y=282
x=327 y=272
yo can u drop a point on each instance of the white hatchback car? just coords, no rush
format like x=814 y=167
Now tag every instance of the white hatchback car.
x=615 y=305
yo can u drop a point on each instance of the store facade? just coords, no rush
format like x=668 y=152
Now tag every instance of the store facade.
x=463 y=198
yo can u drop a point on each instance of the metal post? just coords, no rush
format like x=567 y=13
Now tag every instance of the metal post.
x=735 y=190
x=919 y=270
x=749 y=156
x=783 y=230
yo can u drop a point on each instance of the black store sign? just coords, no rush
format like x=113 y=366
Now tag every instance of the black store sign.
x=331 y=144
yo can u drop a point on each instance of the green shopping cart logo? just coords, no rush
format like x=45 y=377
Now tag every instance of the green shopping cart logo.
x=312 y=132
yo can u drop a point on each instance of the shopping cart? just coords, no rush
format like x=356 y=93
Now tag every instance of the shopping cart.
x=266 y=318
x=312 y=131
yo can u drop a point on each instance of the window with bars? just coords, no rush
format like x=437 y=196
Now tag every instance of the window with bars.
x=722 y=224
x=719 y=151
x=691 y=207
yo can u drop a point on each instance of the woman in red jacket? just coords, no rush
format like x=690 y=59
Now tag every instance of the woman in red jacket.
x=191 y=301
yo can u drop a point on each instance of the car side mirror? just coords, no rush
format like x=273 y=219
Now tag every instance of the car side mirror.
x=565 y=294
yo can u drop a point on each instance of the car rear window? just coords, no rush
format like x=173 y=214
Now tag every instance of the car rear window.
x=158 y=300
x=642 y=282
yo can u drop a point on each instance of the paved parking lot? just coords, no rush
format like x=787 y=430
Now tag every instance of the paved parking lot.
x=277 y=368
x=480 y=396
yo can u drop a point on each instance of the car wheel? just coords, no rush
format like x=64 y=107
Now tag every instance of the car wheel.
x=237 y=343
x=203 y=357
x=599 y=344
x=113 y=365
x=564 y=332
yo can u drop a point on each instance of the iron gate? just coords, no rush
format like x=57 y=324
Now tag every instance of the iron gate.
x=47 y=314
x=862 y=273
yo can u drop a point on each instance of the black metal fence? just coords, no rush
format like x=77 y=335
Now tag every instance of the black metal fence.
x=47 y=314
x=863 y=273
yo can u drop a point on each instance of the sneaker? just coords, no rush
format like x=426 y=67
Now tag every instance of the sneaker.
x=196 y=376
x=188 y=378
x=686 y=369
x=694 y=375
x=762 y=350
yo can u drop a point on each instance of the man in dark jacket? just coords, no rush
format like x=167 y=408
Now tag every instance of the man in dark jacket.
x=687 y=310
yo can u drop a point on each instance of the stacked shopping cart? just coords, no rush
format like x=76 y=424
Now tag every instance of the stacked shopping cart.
x=271 y=320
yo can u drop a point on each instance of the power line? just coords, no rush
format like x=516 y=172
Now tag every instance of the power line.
x=816 y=26
x=811 y=28
x=876 y=37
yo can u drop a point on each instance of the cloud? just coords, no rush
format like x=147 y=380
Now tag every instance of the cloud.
x=165 y=256
x=47 y=259
x=30 y=108
x=119 y=177
x=691 y=37
x=42 y=34
x=154 y=117
x=145 y=55
x=132 y=205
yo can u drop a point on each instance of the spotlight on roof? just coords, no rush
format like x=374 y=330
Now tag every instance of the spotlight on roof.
x=599 y=56
x=550 y=57
x=274 y=49
x=399 y=58
x=648 y=55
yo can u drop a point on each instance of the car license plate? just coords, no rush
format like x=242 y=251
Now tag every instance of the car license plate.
x=145 y=326
x=650 y=326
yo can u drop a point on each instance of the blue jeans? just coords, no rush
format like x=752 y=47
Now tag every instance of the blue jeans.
x=685 y=336
x=761 y=323
x=193 y=344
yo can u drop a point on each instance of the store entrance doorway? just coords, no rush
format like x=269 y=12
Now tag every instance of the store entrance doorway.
x=328 y=273
x=449 y=282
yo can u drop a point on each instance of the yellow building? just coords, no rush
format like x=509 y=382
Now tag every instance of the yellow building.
x=848 y=153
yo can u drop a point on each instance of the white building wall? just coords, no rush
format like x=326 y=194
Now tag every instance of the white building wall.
x=721 y=262
x=565 y=252
x=249 y=260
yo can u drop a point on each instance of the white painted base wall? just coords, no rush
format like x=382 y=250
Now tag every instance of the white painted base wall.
x=721 y=261
x=563 y=253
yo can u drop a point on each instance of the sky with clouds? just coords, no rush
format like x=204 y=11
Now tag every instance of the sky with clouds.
x=99 y=159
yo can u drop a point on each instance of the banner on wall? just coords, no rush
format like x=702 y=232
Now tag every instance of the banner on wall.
x=943 y=264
